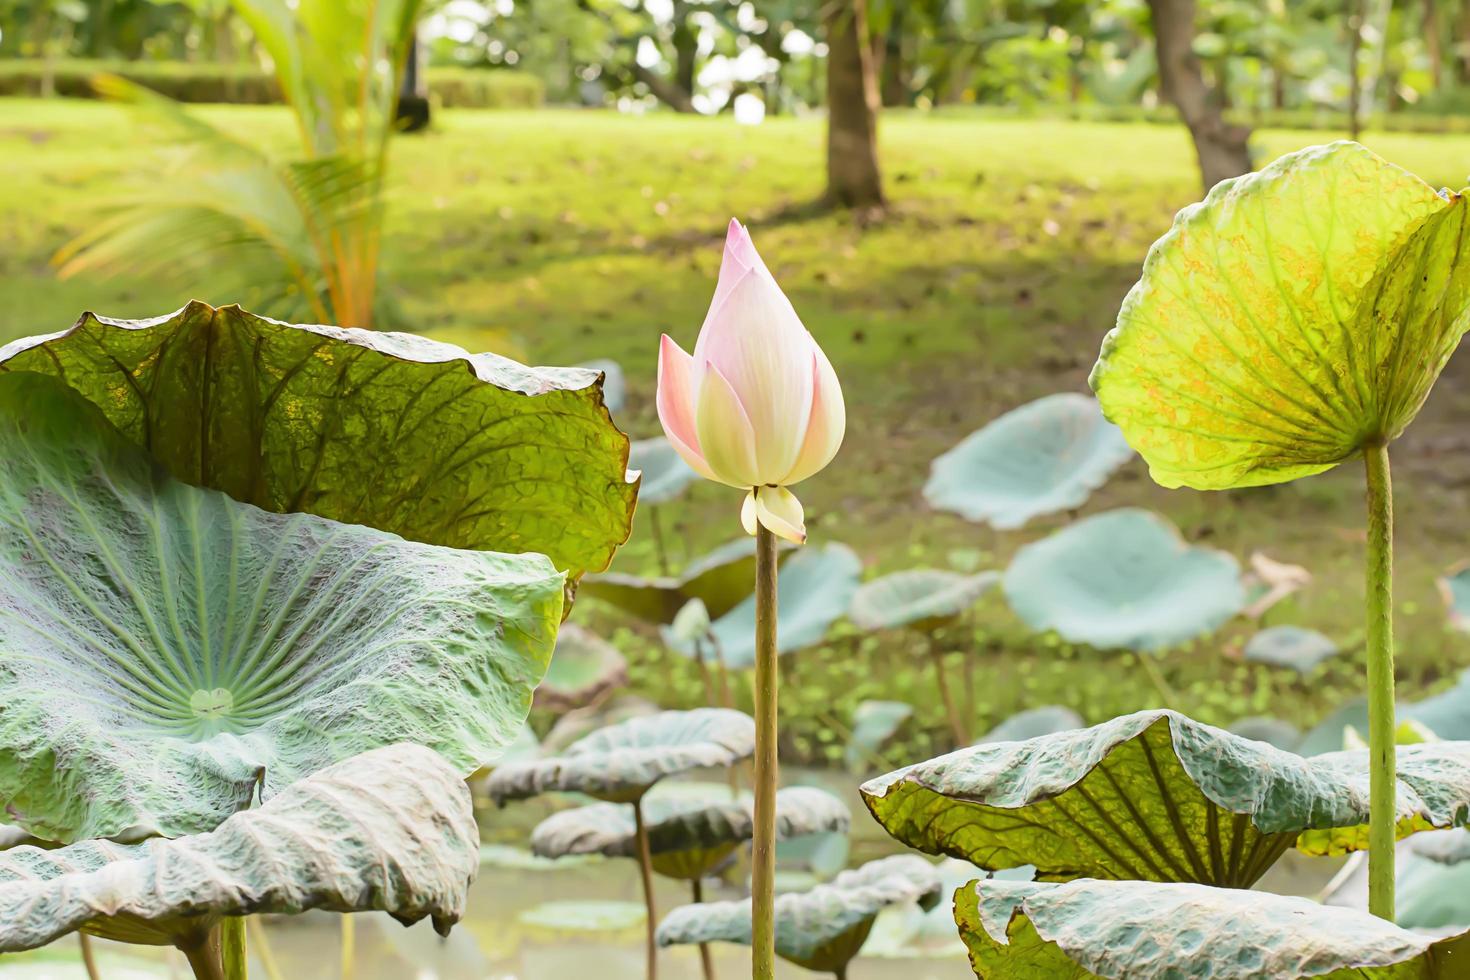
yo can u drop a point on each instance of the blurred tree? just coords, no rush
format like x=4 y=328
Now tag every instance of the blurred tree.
x=1220 y=146
x=297 y=238
x=853 y=178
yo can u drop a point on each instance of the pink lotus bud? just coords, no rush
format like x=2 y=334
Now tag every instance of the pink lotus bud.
x=758 y=406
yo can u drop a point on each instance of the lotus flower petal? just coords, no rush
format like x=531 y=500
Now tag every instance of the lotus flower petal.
x=778 y=509
x=675 y=401
x=828 y=423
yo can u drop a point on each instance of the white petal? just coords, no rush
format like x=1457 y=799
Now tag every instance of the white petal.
x=778 y=509
x=747 y=514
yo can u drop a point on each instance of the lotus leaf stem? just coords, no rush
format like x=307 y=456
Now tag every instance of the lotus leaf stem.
x=656 y=524
x=1381 y=748
x=645 y=871
x=706 y=959
x=763 y=846
x=956 y=723
x=1156 y=677
x=349 y=943
x=264 y=953
x=89 y=960
x=204 y=956
x=232 y=947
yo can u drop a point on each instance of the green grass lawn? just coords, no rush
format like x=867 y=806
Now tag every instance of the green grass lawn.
x=563 y=236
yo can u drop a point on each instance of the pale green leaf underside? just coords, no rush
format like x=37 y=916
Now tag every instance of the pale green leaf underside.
x=167 y=648
x=620 y=762
x=1041 y=458
x=873 y=723
x=1431 y=882
x=721 y=580
x=821 y=929
x=389 y=430
x=702 y=820
x=583 y=668
x=1123 y=579
x=1134 y=930
x=1292 y=317
x=390 y=830
x=814 y=590
x=923 y=598
x=1155 y=796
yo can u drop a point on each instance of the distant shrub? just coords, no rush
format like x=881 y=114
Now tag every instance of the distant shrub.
x=468 y=88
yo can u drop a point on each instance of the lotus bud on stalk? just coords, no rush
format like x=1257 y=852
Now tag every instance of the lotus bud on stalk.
x=757 y=407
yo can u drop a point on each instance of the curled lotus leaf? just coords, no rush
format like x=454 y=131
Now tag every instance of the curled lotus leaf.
x=619 y=763
x=1155 y=796
x=1045 y=720
x=1141 y=930
x=390 y=830
x=1294 y=316
x=689 y=833
x=170 y=649
x=665 y=474
x=821 y=929
x=1268 y=582
x=814 y=590
x=920 y=598
x=721 y=580
x=389 y=430
x=1044 y=457
x=1291 y=647
x=584 y=667
x=1123 y=579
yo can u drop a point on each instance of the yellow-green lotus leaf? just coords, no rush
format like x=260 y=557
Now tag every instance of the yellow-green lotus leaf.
x=1291 y=318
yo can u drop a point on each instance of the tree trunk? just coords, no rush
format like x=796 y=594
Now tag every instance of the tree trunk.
x=893 y=86
x=664 y=90
x=1462 y=48
x=686 y=49
x=853 y=178
x=1433 y=44
x=1355 y=70
x=1220 y=146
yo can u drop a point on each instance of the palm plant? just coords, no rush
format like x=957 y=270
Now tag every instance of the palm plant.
x=300 y=236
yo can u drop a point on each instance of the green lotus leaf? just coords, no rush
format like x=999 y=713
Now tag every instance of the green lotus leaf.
x=821 y=929
x=1155 y=796
x=921 y=598
x=1273 y=731
x=576 y=725
x=1291 y=318
x=1446 y=714
x=821 y=856
x=168 y=649
x=722 y=580
x=665 y=474
x=391 y=830
x=1123 y=579
x=814 y=590
x=873 y=724
x=389 y=430
x=1291 y=647
x=1046 y=720
x=1140 y=930
x=506 y=857
x=584 y=668
x=619 y=763
x=690 y=833
x=1044 y=457
x=1330 y=734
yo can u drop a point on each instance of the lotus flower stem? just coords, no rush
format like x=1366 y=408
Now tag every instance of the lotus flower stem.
x=1156 y=677
x=204 y=956
x=1382 y=756
x=645 y=871
x=956 y=723
x=706 y=959
x=88 y=959
x=232 y=947
x=763 y=848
